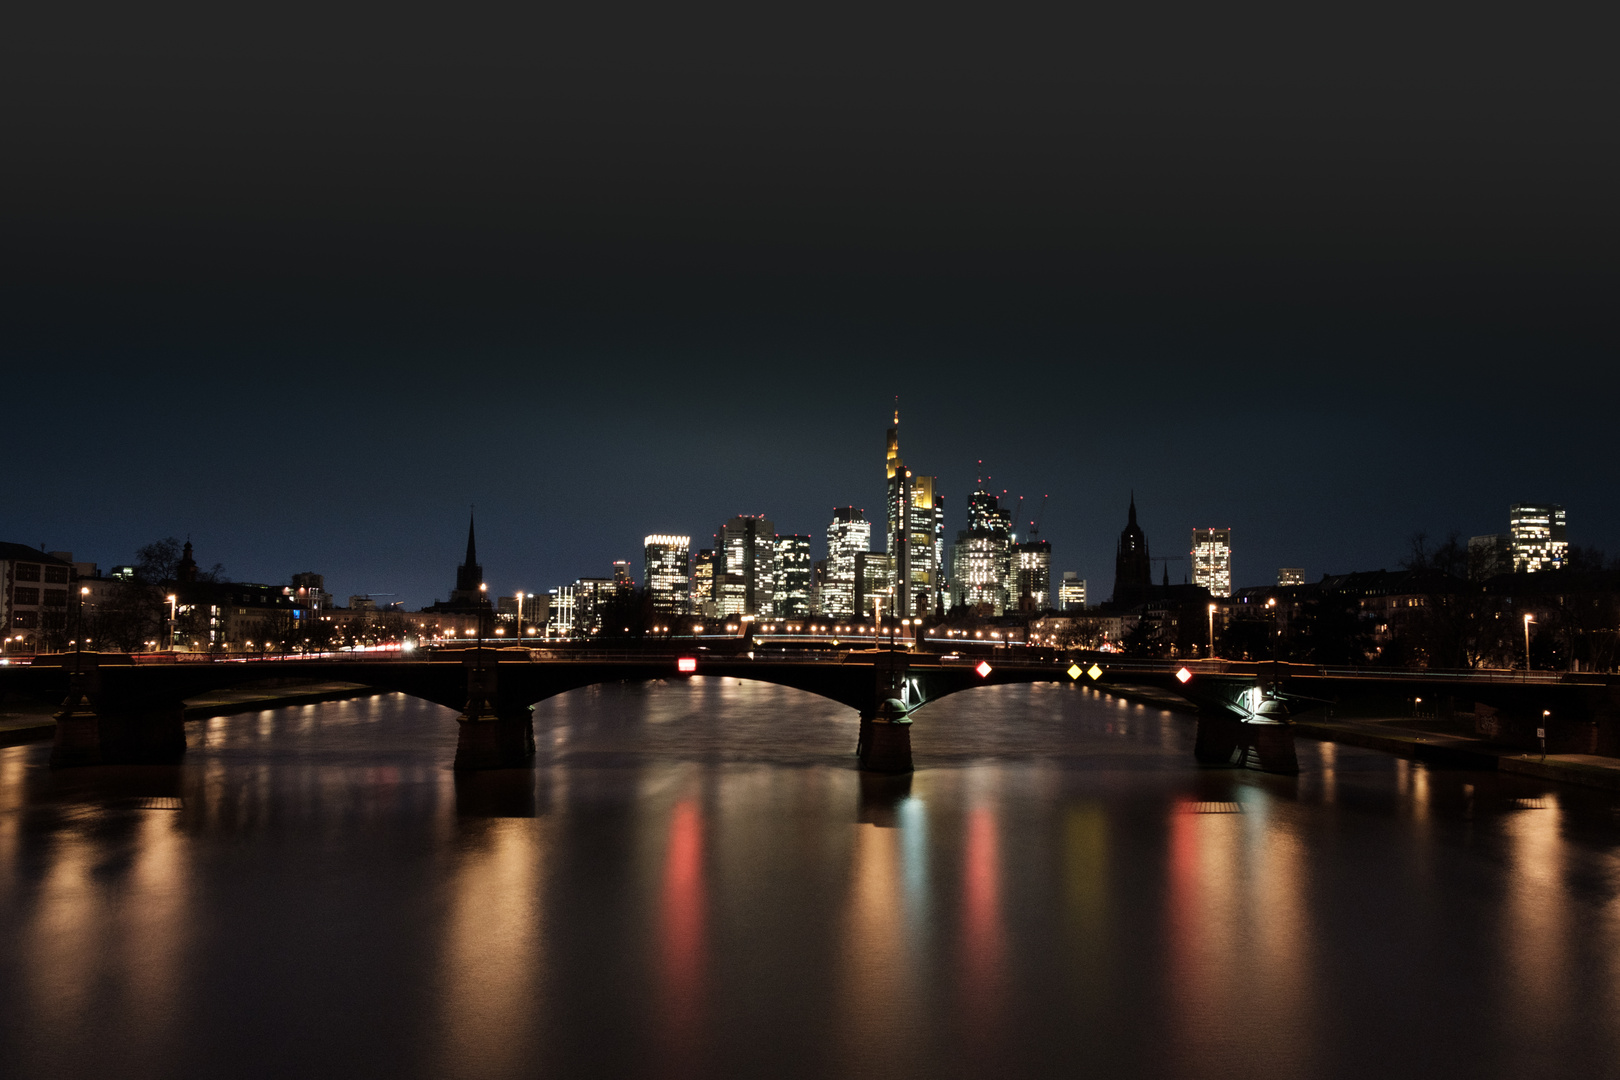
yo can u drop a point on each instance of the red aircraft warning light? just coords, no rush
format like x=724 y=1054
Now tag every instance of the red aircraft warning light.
x=983 y=669
x=686 y=665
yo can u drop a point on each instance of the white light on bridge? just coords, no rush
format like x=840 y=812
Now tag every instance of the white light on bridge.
x=983 y=669
x=1183 y=675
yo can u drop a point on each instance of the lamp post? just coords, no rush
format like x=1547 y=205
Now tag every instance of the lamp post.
x=172 y=599
x=1212 y=631
x=78 y=644
x=520 y=617
x=1528 y=619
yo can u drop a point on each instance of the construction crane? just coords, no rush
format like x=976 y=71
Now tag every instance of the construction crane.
x=1040 y=515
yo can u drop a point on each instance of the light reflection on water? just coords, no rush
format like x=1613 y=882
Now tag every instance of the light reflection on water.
x=693 y=881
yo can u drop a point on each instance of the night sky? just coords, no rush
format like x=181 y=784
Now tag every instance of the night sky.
x=304 y=285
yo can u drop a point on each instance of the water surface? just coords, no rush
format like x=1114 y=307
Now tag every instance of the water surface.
x=694 y=882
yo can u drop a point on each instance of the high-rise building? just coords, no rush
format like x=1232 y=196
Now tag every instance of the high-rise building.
x=1291 y=575
x=874 y=583
x=848 y=535
x=1033 y=575
x=915 y=531
x=560 y=622
x=1212 y=560
x=1071 y=592
x=703 y=602
x=745 y=567
x=1539 y=541
x=622 y=577
x=666 y=562
x=1133 y=567
x=1489 y=556
x=793 y=574
x=984 y=570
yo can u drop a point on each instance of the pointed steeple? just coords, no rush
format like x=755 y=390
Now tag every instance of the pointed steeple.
x=472 y=547
x=1132 y=519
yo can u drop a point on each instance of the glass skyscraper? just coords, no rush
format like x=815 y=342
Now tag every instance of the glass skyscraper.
x=793 y=569
x=1212 y=560
x=745 y=567
x=849 y=535
x=669 y=581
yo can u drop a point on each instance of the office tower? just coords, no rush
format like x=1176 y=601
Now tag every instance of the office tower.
x=818 y=587
x=1033 y=575
x=874 y=584
x=1133 y=567
x=703 y=584
x=1212 y=560
x=745 y=567
x=848 y=535
x=1291 y=575
x=983 y=569
x=1538 y=533
x=1489 y=556
x=1071 y=592
x=915 y=531
x=793 y=573
x=666 y=562
x=560 y=622
x=622 y=578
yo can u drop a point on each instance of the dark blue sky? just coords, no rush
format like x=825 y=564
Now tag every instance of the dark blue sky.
x=303 y=286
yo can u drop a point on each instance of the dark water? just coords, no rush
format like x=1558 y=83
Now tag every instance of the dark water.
x=695 y=883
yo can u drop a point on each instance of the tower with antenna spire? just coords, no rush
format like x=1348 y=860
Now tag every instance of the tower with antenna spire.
x=916 y=532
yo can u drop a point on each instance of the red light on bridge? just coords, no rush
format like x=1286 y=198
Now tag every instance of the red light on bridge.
x=983 y=669
x=686 y=665
x=1183 y=675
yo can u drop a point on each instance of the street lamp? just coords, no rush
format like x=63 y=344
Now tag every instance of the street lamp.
x=1212 y=631
x=78 y=645
x=520 y=616
x=172 y=599
x=1528 y=619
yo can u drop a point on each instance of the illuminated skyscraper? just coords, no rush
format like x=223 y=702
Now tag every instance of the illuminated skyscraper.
x=848 y=535
x=1212 y=560
x=1071 y=592
x=983 y=569
x=1032 y=575
x=666 y=563
x=1539 y=541
x=703 y=584
x=916 y=531
x=745 y=567
x=792 y=576
x=874 y=583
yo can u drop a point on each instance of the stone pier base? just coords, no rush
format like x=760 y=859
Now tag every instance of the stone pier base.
x=885 y=744
x=490 y=741
x=1225 y=740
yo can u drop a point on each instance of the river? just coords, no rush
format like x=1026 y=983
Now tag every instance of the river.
x=695 y=882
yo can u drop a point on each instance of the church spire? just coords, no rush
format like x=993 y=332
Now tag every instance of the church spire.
x=472 y=547
x=1132 y=519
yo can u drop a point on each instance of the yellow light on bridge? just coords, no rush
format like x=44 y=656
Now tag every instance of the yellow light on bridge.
x=1074 y=671
x=1095 y=672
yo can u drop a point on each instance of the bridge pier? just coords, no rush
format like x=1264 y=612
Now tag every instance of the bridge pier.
x=492 y=734
x=98 y=726
x=1225 y=740
x=885 y=740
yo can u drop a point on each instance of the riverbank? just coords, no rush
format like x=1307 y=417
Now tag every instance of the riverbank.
x=22 y=722
x=1433 y=742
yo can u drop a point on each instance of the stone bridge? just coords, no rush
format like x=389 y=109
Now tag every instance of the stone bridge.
x=118 y=708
